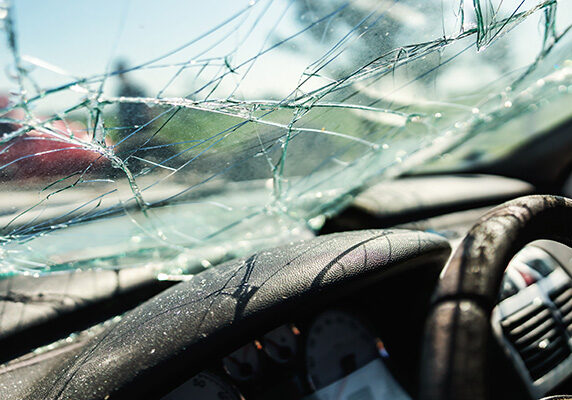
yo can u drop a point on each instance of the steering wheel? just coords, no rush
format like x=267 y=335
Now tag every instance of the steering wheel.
x=455 y=357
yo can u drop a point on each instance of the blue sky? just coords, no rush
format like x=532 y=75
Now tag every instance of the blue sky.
x=136 y=27
x=86 y=38
x=83 y=36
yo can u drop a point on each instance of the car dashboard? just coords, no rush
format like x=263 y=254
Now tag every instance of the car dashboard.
x=300 y=322
x=340 y=351
x=340 y=316
x=337 y=356
x=336 y=352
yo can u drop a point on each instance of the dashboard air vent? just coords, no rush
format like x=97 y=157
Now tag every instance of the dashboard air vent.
x=537 y=338
x=562 y=298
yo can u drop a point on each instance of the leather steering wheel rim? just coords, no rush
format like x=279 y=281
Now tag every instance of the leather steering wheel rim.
x=454 y=361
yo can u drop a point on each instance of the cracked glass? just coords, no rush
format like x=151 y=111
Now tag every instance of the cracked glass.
x=176 y=135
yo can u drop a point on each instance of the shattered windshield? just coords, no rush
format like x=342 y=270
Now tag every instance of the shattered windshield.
x=179 y=134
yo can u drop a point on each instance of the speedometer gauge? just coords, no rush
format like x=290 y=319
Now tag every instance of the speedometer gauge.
x=344 y=361
x=337 y=345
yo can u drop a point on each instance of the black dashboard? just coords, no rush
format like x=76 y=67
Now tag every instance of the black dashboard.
x=356 y=346
x=374 y=277
x=336 y=356
x=341 y=351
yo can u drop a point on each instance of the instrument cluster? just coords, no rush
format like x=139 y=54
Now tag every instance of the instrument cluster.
x=336 y=355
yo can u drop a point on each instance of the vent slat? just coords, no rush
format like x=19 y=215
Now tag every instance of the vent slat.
x=567 y=318
x=534 y=335
x=537 y=336
x=522 y=315
x=561 y=294
x=533 y=348
x=530 y=323
x=549 y=363
x=542 y=354
x=565 y=308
